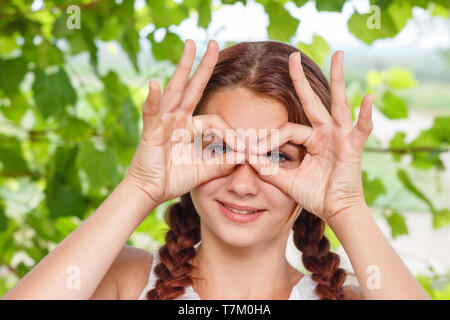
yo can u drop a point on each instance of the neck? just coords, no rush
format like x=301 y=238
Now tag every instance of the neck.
x=226 y=272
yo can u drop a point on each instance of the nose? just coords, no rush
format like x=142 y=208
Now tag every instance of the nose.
x=243 y=181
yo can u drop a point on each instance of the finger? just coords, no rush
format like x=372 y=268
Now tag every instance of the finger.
x=288 y=132
x=196 y=85
x=340 y=108
x=213 y=166
x=364 y=124
x=150 y=107
x=212 y=124
x=271 y=172
x=313 y=107
x=176 y=85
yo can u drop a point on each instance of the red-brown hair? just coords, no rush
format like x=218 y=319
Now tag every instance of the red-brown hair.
x=263 y=68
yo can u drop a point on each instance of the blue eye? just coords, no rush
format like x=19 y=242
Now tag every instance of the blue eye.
x=279 y=155
x=220 y=147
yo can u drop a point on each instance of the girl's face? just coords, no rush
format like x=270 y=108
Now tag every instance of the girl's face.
x=244 y=110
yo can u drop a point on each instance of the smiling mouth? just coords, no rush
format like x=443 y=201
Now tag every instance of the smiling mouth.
x=240 y=211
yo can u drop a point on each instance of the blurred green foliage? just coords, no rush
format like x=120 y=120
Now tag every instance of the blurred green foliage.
x=65 y=143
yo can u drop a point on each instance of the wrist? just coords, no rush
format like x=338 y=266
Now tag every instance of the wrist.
x=347 y=215
x=135 y=187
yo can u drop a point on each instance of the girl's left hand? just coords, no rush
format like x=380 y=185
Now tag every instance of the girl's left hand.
x=328 y=180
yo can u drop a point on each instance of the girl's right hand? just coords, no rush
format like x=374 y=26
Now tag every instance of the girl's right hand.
x=155 y=167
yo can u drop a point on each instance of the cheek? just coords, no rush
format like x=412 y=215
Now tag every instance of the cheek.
x=209 y=188
x=203 y=195
x=277 y=200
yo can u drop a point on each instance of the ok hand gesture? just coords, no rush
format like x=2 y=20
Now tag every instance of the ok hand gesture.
x=328 y=179
x=167 y=163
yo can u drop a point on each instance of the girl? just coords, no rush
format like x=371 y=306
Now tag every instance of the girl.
x=228 y=234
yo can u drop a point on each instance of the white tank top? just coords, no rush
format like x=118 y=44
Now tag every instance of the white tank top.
x=302 y=290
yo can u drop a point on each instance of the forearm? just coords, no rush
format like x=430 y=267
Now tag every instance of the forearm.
x=91 y=249
x=372 y=256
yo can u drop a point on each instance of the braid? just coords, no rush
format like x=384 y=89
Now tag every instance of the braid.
x=177 y=253
x=316 y=256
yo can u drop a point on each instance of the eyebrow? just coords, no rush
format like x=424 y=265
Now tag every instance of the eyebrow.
x=212 y=134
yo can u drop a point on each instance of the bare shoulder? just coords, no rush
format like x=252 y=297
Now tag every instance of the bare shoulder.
x=127 y=276
x=353 y=292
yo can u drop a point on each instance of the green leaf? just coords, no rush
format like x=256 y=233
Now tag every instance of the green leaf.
x=300 y=3
x=204 y=14
x=7 y=44
x=3 y=217
x=203 y=8
x=11 y=160
x=63 y=161
x=130 y=120
x=63 y=192
x=363 y=27
x=441 y=218
x=115 y=91
x=156 y=228
x=425 y=282
x=400 y=11
x=393 y=107
x=318 y=50
x=44 y=55
x=334 y=241
x=374 y=78
x=8 y=246
x=12 y=73
x=383 y=4
x=426 y=159
x=170 y=48
x=407 y=183
x=129 y=40
x=64 y=200
x=282 y=26
x=17 y=107
x=420 y=3
x=167 y=13
x=372 y=188
x=397 y=223
x=65 y=226
x=438 y=10
x=100 y=167
x=74 y=129
x=400 y=78
x=441 y=129
x=330 y=5
x=43 y=226
x=52 y=93
x=398 y=142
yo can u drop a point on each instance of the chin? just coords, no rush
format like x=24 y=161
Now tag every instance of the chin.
x=237 y=236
